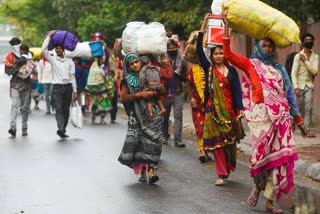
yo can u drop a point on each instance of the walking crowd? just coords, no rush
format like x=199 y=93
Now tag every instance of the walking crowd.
x=150 y=84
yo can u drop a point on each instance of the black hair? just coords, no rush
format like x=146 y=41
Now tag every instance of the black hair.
x=24 y=47
x=111 y=72
x=307 y=35
x=169 y=27
x=15 y=41
x=59 y=46
x=214 y=48
x=145 y=60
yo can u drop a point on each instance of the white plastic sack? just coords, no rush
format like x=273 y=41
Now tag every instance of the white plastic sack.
x=216 y=8
x=82 y=50
x=76 y=115
x=144 y=38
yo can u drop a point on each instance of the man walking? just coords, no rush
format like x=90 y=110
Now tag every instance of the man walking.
x=304 y=69
x=174 y=95
x=64 y=84
x=45 y=78
x=20 y=84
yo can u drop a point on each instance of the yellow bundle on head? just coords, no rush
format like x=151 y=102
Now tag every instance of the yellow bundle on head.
x=258 y=20
x=37 y=53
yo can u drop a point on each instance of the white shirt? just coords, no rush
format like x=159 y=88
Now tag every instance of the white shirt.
x=44 y=72
x=63 y=69
x=302 y=73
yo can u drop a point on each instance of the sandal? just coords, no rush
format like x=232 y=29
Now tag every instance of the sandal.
x=252 y=199
x=209 y=158
x=143 y=179
x=220 y=182
x=153 y=179
x=274 y=210
x=309 y=135
x=202 y=158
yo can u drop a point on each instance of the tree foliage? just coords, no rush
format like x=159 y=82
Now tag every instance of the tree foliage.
x=34 y=18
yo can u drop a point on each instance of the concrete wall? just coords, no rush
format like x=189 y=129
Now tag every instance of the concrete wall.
x=244 y=46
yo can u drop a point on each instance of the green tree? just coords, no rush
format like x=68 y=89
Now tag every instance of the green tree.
x=34 y=18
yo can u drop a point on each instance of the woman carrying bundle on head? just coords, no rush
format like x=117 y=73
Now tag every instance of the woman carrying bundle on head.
x=223 y=108
x=142 y=147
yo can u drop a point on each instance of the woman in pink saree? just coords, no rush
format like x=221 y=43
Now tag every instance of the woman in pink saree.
x=268 y=103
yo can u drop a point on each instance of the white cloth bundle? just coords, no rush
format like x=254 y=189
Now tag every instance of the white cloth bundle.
x=144 y=38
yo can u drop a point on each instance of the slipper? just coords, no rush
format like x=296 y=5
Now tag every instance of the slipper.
x=220 y=182
x=274 y=210
x=153 y=179
x=208 y=157
x=252 y=200
x=309 y=135
x=143 y=179
x=202 y=158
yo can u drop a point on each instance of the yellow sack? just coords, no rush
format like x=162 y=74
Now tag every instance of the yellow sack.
x=258 y=20
x=37 y=53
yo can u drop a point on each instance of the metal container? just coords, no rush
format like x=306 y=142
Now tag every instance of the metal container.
x=83 y=100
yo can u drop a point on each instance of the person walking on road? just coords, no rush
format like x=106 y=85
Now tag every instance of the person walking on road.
x=142 y=147
x=114 y=100
x=22 y=71
x=174 y=96
x=304 y=69
x=101 y=90
x=223 y=109
x=196 y=86
x=268 y=102
x=45 y=79
x=64 y=84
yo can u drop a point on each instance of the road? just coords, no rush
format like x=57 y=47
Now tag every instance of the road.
x=42 y=174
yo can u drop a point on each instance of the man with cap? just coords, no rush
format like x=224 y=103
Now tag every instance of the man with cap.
x=64 y=84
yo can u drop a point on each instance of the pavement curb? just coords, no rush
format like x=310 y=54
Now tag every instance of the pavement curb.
x=304 y=168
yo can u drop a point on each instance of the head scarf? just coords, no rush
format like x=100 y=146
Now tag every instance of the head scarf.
x=258 y=52
x=16 y=50
x=132 y=77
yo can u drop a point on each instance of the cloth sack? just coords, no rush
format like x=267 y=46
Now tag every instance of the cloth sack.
x=258 y=20
x=144 y=38
x=216 y=6
x=37 y=53
x=63 y=38
x=76 y=115
x=190 y=52
x=81 y=50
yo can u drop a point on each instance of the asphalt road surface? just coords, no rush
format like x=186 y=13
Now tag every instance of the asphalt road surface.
x=42 y=174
